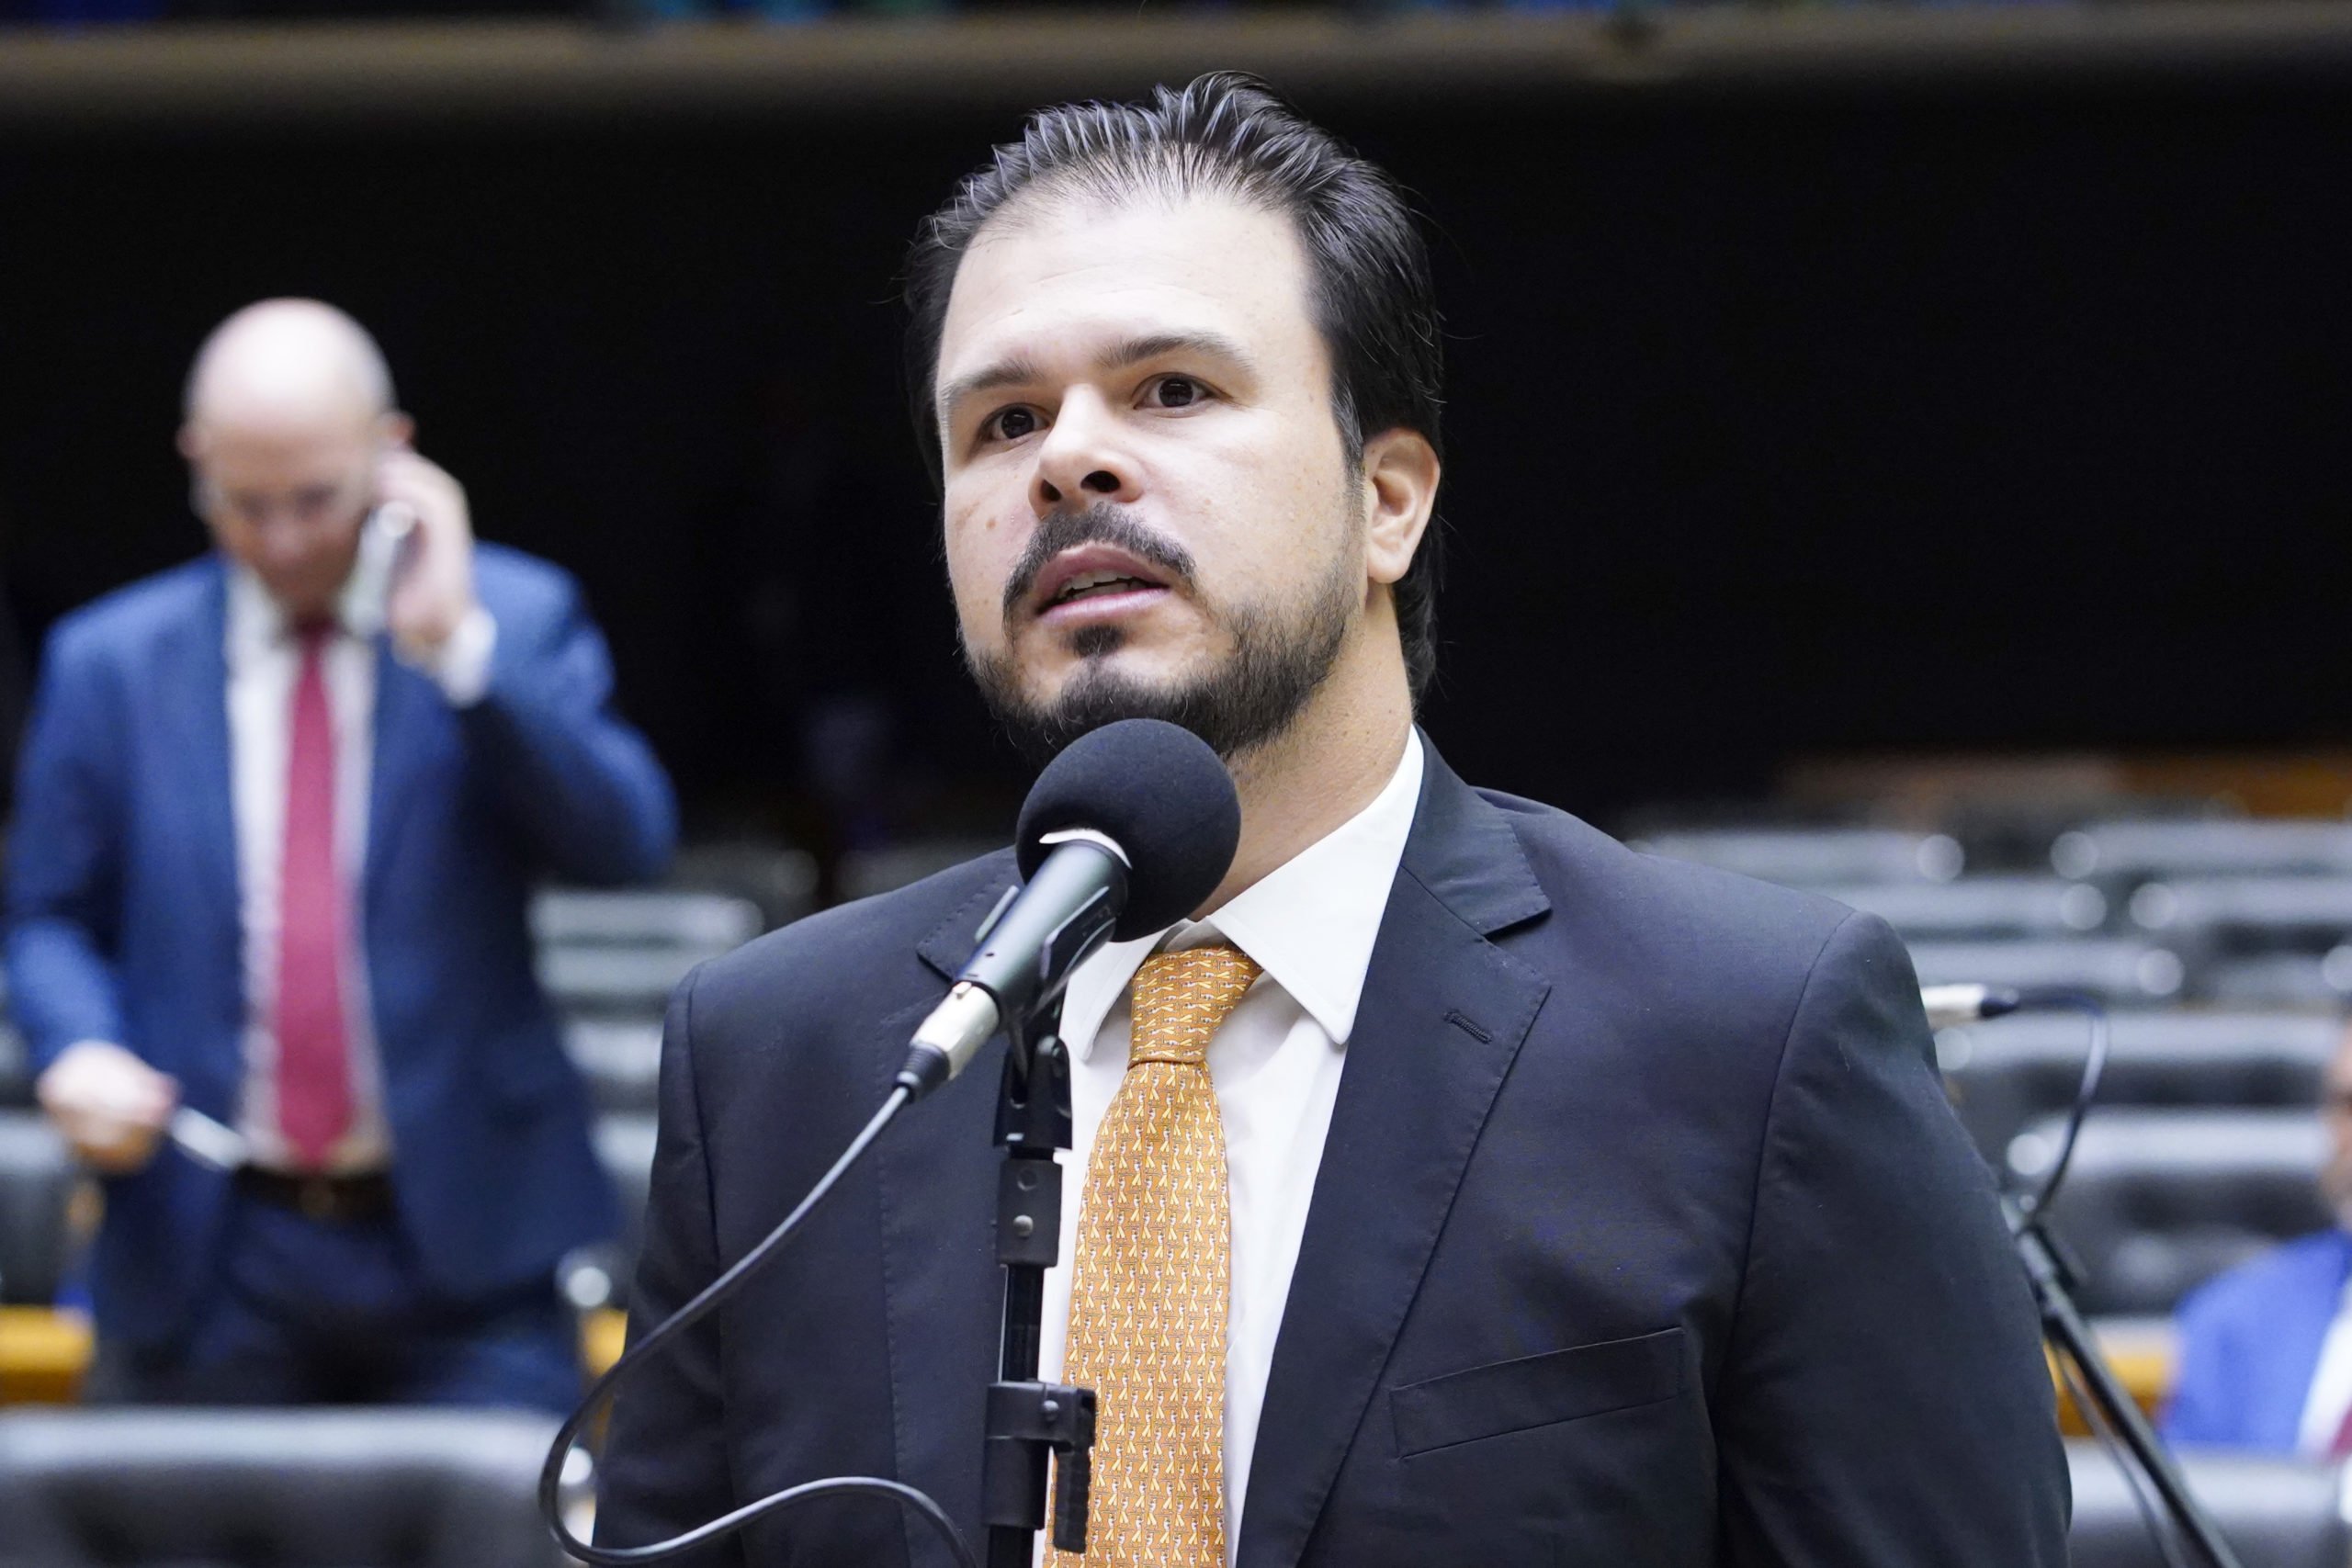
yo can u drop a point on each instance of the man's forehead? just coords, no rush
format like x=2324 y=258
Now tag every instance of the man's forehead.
x=267 y=449
x=1050 y=273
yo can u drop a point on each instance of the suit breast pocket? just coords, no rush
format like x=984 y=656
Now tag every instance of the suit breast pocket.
x=1536 y=1390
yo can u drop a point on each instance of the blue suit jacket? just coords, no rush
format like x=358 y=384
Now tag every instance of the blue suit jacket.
x=1643 y=1238
x=2250 y=1341
x=123 y=916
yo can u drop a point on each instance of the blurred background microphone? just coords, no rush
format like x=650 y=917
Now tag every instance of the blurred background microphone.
x=1949 y=1005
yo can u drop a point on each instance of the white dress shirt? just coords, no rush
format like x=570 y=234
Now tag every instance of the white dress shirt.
x=264 y=661
x=2330 y=1398
x=1276 y=1061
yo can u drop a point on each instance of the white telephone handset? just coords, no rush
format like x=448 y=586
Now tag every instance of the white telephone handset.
x=390 y=550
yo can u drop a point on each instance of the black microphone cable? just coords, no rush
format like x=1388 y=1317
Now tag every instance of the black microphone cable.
x=2110 y=1444
x=2029 y=1207
x=703 y=1302
x=2030 y=1204
x=2085 y=1089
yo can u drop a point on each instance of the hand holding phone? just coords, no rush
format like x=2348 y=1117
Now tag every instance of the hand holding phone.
x=432 y=579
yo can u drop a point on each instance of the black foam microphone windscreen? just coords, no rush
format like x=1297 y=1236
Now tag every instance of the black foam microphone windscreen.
x=1157 y=791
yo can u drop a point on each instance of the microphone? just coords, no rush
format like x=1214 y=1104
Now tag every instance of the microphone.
x=1950 y=1005
x=1124 y=833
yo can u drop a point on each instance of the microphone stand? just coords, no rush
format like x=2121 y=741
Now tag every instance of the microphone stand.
x=1028 y=1420
x=2062 y=1322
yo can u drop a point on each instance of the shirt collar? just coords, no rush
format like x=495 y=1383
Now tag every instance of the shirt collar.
x=1309 y=923
x=255 y=620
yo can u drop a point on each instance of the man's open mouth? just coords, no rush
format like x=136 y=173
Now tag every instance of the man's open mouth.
x=1095 y=584
x=1095 y=575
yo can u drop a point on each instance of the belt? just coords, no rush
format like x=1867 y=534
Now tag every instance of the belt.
x=342 y=1199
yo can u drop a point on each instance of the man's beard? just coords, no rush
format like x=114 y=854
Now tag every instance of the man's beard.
x=1245 y=699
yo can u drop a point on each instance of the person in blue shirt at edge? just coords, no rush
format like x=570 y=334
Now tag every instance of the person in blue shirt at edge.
x=2266 y=1349
x=280 y=813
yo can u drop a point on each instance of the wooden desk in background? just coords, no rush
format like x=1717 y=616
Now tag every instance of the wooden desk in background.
x=44 y=1353
x=2141 y=1352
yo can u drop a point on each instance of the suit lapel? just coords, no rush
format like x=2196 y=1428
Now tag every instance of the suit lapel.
x=405 y=702
x=196 y=682
x=944 y=1293
x=192 y=702
x=1442 y=1016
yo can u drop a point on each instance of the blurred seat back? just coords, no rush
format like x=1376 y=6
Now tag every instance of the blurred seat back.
x=2009 y=1072
x=866 y=873
x=2118 y=970
x=624 y=952
x=2132 y=851
x=2158 y=1202
x=2306 y=980
x=2246 y=913
x=15 y=1071
x=713 y=922
x=1980 y=906
x=351 y=1488
x=1816 y=857
x=599 y=1276
x=2276 y=1513
x=781 y=880
x=620 y=1057
x=37 y=1176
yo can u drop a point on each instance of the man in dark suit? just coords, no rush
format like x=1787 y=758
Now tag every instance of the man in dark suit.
x=2265 y=1349
x=1529 y=1201
x=279 y=813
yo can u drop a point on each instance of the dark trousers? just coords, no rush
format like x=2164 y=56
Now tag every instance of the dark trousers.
x=312 y=1311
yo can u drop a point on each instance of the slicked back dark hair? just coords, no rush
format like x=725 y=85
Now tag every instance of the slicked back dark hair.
x=1229 y=134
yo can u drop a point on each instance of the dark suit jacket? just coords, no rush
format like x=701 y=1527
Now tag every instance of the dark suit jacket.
x=2250 y=1342
x=1643 y=1236
x=123 y=918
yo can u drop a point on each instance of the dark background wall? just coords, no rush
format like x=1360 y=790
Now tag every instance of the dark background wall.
x=1788 y=420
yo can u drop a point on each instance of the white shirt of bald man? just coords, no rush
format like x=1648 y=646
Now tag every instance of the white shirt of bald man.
x=1276 y=1061
x=265 y=660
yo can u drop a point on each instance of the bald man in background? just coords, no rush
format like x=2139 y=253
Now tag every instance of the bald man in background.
x=280 y=813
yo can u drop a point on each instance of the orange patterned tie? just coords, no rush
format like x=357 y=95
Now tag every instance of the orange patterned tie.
x=1148 y=1304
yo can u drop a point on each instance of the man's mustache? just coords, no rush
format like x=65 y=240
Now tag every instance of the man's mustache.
x=1101 y=524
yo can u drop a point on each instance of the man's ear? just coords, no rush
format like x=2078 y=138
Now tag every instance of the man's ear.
x=395 y=428
x=191 y=442
x=1400 y=475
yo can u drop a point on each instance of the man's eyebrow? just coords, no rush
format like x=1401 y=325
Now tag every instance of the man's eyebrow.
x=1216 y=346
x=1008 y=372
x=1018 y=369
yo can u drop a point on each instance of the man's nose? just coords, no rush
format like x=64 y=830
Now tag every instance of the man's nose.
x=284 y=537
x=1083 y=459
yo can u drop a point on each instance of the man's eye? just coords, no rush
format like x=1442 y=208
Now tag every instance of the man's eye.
x=1177 y=391
x=1012 y=424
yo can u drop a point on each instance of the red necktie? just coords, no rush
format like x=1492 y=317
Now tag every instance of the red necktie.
x=314 y=1048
